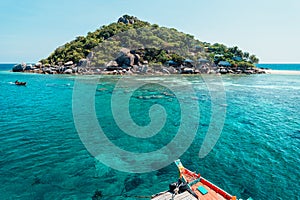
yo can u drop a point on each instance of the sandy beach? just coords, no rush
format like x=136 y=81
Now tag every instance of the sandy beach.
x=283 y=72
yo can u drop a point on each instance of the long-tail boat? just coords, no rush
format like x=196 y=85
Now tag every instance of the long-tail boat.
x=20 y=83
x=192 y=186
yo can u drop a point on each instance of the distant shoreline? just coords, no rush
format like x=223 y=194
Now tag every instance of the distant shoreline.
x=267 y=69
x=282 y=72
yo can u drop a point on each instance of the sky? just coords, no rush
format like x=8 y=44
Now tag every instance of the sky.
x=31 y=29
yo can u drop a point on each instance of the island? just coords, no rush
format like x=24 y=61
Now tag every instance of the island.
x=132 y=46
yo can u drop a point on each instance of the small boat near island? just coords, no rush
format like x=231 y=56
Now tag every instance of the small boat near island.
x=20 y=83
x=193 y=186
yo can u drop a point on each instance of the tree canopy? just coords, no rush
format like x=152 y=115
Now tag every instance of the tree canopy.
x=156 y=45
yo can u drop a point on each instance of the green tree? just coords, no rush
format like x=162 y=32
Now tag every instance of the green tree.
x=161 y=44
x=246 y=55
x=253 y=59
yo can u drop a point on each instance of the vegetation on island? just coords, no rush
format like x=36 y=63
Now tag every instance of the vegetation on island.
x=165 y=38
x=82 y=46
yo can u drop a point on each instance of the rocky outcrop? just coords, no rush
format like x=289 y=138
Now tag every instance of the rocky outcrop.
x=38 y=65
x=188 y=70
x=19 y=68
x=127 y=19
x=28 y=67
x=126 y=59
x=130 y=63
x=69 y=63
x=83 y=63
x=68 y=71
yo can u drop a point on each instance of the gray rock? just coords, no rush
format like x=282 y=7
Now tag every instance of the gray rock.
x=61 y=69
x=137 y=59
x=83 y=63
x=129 y=72
x=248 y=71
x=47 y=70
x=68 y=71
x=38 y=64
x=75 y=70
x=37 y=71
x=127 y=59
x=131 y=21
x=197 y=71
x=121 y=19
x=223 y=71
x=28 y=67
x=188 y=70
x=69 y=63
x=165 y=71
x=172 y=70
x=55 y=68
x=112 y=64
x=18 y=68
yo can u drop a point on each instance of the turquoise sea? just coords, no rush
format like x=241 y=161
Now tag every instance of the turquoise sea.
x=294 y=67
x=42 y=156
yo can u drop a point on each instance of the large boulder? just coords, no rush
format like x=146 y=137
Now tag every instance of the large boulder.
x=223 y=71
x=137 y=59
x=18 y=68
x=165 y=71
x=123 y=20
x=112 y=64
x=83 y=63
x=172 y=70
x=188 y=70
x=47 y=70
x=74 y=69
x=37 y=71
x=127 y=19
x=126 y=59
x=129 y=61
x=68 y=71
x=28 y=67
x=38 y=65
x=69 y=63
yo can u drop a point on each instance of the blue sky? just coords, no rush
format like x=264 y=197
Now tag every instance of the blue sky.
x=32 y=29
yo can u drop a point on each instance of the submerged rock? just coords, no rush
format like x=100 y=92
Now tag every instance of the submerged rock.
x=132 y=182
x=97 y=195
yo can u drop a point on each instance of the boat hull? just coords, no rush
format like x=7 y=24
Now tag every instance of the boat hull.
x=191 y=186
x=204 y=189
x=20 y=83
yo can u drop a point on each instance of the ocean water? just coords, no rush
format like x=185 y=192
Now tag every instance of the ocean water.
x=43 y=157
x=295 y=67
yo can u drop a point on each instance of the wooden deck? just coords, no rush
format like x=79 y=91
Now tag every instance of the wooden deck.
x=211 y=195
x=168 y=196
